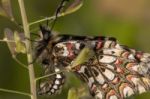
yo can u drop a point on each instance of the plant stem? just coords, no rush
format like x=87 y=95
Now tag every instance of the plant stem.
x=7 y=41
x=19 y=62
x=29 y=50
x=48 y=75
x=15 y=92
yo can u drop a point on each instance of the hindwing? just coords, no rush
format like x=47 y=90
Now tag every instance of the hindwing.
x=116 y=72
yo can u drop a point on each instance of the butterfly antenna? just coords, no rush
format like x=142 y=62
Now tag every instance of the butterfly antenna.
x=58 y=10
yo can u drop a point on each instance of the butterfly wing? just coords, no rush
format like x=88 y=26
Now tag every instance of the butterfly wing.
x=116 y=72
x=53 y=84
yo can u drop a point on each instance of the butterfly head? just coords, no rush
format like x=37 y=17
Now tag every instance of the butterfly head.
x=46 y=33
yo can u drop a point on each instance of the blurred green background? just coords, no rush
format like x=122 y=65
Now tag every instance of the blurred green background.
x=127 y=20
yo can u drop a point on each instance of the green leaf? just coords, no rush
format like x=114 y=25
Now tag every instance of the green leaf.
x=83 y=92
x=14 y=41
x=84 y=56
x=2 y=12
x=20 y=46
x=72 y=94
x=6 y=6
x=77 y=4
x=10 y=37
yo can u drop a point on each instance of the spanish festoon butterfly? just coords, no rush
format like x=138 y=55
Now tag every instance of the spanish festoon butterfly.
x=114 y=72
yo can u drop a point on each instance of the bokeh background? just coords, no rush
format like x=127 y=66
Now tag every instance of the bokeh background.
x=127 y=20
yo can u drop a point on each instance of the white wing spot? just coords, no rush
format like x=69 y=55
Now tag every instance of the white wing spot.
x=100 y=78
x=113 y=97
x=107 y=43
x=109 y=74
x=57 y=82
x=91 y=81
x=58 y=76
x=57 y=70
x=107 y=59
x=99 y=95
x=128 y=91
x=55 y=87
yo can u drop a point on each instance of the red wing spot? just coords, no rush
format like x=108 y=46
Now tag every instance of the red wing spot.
x=139 y=55
x=70 y=50
x=116 y=80
x=118 y=62
x=119 y=69
x=99 y=44
x=129 y=77
x=94 y=88
x=110 y=93
x=130 y=65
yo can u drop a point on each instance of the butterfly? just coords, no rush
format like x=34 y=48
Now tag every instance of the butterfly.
x=114 y=71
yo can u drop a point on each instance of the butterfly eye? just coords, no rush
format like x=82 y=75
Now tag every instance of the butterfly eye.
x=45 y=62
